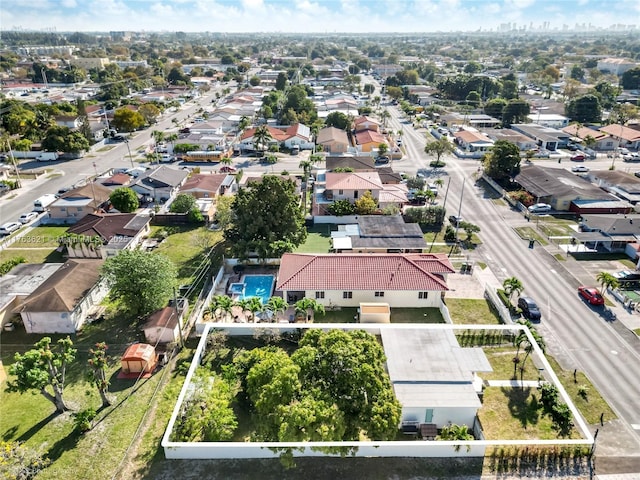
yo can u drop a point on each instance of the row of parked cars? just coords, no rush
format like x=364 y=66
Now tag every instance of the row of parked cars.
x=10 y=227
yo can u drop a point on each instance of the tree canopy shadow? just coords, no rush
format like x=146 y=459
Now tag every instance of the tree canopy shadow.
x=35 y=428
x=63 y=445
x=525 y=410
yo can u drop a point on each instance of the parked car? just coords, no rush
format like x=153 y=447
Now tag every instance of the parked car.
x=27 y=217
x=579 y=168
x=572 y=147
x=227 y=169
x=540 y=208
x=455 y=220
x=578 y=158
x=591 y=295
x=9 y=227
x=529 y=308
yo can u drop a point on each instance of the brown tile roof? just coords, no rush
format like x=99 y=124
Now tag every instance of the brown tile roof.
x=276 y=134
x=204 y=182
x=369 y=136
x=356 y=163
x=94 y=191
x=619 y=131
x=414 y=272
x=365 y=119
x=165 y=318
x=117 y=179
x=332 y=134
x=353 y=181
x=584 y=132
x=63 y=290
x=471 y=137
x=109 y=225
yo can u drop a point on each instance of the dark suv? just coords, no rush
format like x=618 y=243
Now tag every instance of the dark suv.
x=529 y=308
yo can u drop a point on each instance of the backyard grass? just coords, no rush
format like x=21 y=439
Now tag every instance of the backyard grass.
x=515 y=414
x=501 y=360
x=185 y=247
x=556 y=227
x=471 y=312
x=527 y=233
x=318 y=240
x=30 y=417
x=32 y=255
x=43 y=236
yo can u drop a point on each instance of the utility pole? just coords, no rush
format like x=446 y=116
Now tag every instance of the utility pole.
x=15 y=166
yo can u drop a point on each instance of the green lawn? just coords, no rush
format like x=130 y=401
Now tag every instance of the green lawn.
x=185 y=247
x=30 y=417
x=471 y=312
x=501 y=360
x=32 y=255
x=318 y=240
x=556 y=226
x=527 y=233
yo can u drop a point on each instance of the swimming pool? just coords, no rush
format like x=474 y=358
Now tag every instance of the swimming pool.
x=260 y=286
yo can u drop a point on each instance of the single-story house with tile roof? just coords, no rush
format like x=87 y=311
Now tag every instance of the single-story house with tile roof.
x=434 y=379
x=117 y=180
x=352 y=185
x=523 y=142
x=604 y=141
x=298 y=135
x=559 y=187
x=473 y=120
x=333 y=140
x=369 y=140
x=209 y=185
x=366 y=123
x=286 y=136
x=378 y=234
x=104 y=235
x=160 y=183
x=473 y=141
x=545 y=137
x=345 y=280
x=19 y=283
x=551 y=120
x=70 y=121
x=75 y=204
x=612 y=233
x=388 y=176
x=627 y=137
x=62 y=302
x=621 y=184
x=393 y=195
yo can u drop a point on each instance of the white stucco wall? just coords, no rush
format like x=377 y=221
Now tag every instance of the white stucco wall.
x=441 y=415
x=395 y=298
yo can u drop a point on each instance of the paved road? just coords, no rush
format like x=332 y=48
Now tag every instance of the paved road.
x=69 y=173
x=577 y=335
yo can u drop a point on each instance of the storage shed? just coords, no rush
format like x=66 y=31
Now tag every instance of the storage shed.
x=371 y=312
x=139 y=358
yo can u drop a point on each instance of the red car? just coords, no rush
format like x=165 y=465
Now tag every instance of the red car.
x=227 y=169
x=578 y=158
x=591 y=295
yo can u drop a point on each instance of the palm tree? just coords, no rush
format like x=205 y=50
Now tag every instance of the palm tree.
x=254 y=305
x=607 y=280
x=276 y=305
x=244 y=122
x=455 y=432
x=261 y=137
x=522 y=341
x=172 y=138
x=306 y=305
x=384 y=116
x=226 y=161
x=158 y=137
x=220 y=306
x=438 y=182
x=305 y=165
x=512 y=285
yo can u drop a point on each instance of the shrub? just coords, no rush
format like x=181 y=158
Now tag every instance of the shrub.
x=82 y=420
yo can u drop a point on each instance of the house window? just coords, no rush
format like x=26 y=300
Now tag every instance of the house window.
x=347 y=294
x=340 y=192
x=355 y=194
x=379 y=294
x=63 y=209
x=423 y=295
x=79 y=209
x=319 y=295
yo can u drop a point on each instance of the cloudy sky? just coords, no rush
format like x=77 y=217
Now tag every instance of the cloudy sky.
x=326 y=16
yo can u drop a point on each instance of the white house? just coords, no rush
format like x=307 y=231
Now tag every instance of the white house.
x=160 y=183
x=63 y=301
x=434 y=379
x=346 y=280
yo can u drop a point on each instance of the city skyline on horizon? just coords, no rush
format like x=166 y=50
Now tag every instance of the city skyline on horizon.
x=327 y=16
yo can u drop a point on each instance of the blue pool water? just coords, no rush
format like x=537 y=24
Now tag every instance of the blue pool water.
x=260 y=286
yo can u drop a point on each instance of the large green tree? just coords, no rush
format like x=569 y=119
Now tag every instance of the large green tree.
x=183 y=203
x=142 y=281
x=127 y=120
x=124 y=200
x=630 y=79
x=584 y=109
x=338 y=120
x=503 y=161
x=267 y=219
x=43 y=368
x=515 y=111
x=62 y=139
x=439 y=147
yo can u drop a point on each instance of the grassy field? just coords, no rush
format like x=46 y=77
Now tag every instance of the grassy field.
x=185 y=246
x=318 y=240
x=501 y=360
x=30 y=418
x=556 y=227
x=527 y=233
x=32 y=255
x=38 y=246
x=469 y=311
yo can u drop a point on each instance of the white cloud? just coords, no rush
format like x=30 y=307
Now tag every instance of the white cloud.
x=69 y=3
